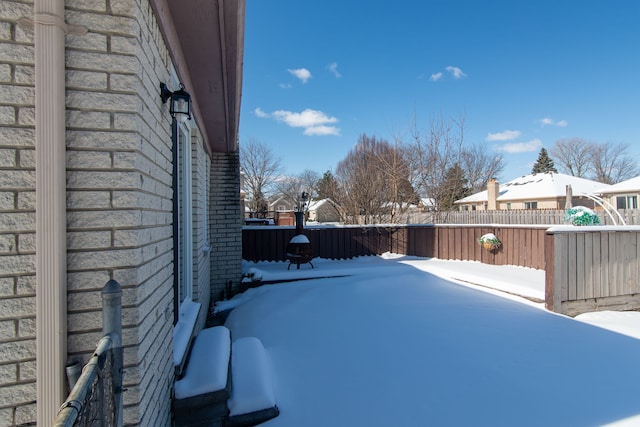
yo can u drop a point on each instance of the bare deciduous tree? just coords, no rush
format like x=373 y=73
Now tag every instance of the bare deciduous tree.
x=374 y=183
x=612 y=163
x=432 y=154
x=261 y=168
x=292 y=187
x=608 y=162
x=480 y=165
x=574 y=156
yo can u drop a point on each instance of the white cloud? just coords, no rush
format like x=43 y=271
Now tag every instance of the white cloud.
x=302 y=73
x=522 y=147
x=314 y=122
x=455 y=72
x=258 y=112
x=322 y=130
x=306 y=118
x=333 y=68
x=285 y=86
x=547 y=121
x=506 y=135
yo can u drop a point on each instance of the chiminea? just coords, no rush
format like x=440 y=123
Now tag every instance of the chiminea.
x=299 y=249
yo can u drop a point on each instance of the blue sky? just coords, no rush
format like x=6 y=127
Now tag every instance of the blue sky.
x=318 y=74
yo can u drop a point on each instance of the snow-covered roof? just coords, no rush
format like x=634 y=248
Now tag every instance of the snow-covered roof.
x=540 y=186
x=316 y=204
x=427 y=201
x=630 y=185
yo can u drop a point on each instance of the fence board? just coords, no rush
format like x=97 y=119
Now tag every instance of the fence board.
x=571 y=261
x=551 y=294
x=587 y=254
x=580 y=266
x=603 y=260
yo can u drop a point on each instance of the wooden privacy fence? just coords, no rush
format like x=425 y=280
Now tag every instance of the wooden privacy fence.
x=517 y=217
x=521 y=245
x=586 y=268
x=592 y=269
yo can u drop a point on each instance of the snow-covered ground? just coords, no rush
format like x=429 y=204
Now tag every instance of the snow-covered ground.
x=405 y=341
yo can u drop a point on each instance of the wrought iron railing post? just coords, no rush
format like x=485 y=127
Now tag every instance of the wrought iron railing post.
x=112 y=326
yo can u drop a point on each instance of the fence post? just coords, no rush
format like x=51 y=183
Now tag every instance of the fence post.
x=112 y=326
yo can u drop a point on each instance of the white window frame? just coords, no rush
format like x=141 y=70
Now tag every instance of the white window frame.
x=185 y=214
x=630 y=201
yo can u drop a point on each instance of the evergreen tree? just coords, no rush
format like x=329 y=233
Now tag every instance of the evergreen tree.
x=544 y=163
x=328 y=187
x=455 y=187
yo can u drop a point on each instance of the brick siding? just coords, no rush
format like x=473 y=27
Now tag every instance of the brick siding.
x=225 y=226
x=17 y=217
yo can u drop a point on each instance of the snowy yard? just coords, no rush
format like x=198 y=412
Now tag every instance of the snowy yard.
x=401 y=341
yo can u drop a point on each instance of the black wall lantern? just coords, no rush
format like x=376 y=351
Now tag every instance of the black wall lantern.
x=180 y=106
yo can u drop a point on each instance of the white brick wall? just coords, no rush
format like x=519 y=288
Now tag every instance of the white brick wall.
x=119 y=200
x=119 y=194
x=17 y=218
x=119 y=203
x=225 y=225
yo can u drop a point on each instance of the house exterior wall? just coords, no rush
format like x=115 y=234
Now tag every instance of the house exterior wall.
x=521 y=204
x=119 y=185
x=225 y=225
x=17 y=217
x=326 y=212
x=119 y=202
x=201 y=246
x=612 y=198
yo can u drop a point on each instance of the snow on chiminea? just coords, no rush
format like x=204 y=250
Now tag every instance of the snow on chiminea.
x=299 y=249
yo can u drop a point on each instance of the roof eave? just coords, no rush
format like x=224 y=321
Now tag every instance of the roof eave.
x=205 y=39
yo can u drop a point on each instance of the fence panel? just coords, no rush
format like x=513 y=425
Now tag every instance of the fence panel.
x=593 y=270
x=516 y=216
x=522 y=246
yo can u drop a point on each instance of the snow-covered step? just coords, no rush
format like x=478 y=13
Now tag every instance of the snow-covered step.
x=253 y=398
x=202 y=392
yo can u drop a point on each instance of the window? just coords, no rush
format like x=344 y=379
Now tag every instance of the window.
x=531 y=205
x=627 y=202
x=182 y=216
x=509 y=205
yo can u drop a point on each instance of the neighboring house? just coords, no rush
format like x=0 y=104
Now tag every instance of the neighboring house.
x=537 y=191
x=623 y=195
x=98 y=182
x=281 y=204
x=325 y=210
x=426 y=204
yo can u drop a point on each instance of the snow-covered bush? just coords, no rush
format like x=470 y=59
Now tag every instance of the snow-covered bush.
x=581 y=215
x=490 y=241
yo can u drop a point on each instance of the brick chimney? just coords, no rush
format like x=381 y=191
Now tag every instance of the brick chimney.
x=493 y=190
